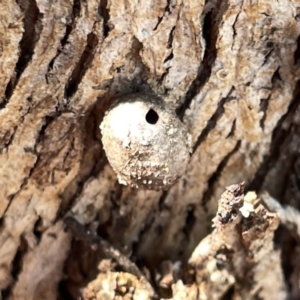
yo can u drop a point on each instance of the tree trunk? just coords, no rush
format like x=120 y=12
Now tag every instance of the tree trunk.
x=231 y=71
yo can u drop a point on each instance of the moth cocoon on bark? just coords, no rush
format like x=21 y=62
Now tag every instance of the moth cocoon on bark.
x=145 y=142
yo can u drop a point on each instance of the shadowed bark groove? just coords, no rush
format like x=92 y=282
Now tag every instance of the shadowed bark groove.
x=211 y=19
x=82 y=66
x=32 y=23
x=281 y=133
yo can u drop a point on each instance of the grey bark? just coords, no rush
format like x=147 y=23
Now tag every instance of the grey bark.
x=231 y=71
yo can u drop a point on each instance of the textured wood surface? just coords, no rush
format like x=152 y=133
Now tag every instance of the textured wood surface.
x=229 y=68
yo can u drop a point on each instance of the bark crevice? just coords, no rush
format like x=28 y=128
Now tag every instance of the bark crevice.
x=211 y=21
x=280 y=134
x=82 y=65
x=214 y=119
x=103 y=10
x=215 y=176
x=32 y=23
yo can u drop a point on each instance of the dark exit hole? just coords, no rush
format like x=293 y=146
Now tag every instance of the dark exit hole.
x=152 y=117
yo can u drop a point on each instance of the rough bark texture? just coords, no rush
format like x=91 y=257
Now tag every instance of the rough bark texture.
x=229 y=68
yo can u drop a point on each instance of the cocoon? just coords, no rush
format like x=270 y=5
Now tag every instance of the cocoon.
x=145 y=142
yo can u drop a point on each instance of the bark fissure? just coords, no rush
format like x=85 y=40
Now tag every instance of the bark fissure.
x=68 y=204
x=190 y=221
x=104 y=13
x=297 y=53
x=169 y=57
x=214 y=178
x=264 y=104
x=166 y=10
x=234 y=30
x=276 y=76
x=268 y=55
x=214 y=119
x=211 y=21
x=19 y=257
x=7 y=139
x=32 y=20
x=70 y=26
x=232 y=131
x=162 y=200
x=82 y=66
x=280 y=134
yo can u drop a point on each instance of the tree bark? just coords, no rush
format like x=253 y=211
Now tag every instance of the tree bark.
x=231 y=71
